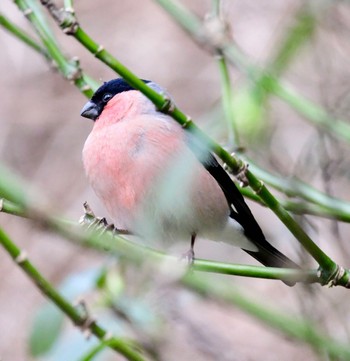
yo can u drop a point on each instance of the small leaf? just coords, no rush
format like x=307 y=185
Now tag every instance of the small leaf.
x=46 y=328
x=249 y=112
x=115 y=283
x=101 y=278
x=48 y=321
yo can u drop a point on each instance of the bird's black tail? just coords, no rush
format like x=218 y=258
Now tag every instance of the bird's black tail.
x=269 y=256
x=266 y=254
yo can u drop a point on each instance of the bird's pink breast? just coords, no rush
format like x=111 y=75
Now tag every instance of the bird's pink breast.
x=125 y=162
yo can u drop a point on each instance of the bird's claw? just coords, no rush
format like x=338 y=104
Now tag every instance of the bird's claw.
x=98 y=223
x=240 y=174
x=189 y=257
x=85 y=321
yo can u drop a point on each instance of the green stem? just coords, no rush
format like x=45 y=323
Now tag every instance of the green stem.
x=227 y=102
x=69 y=68
x=290 y=326
x=295 y=37
x=66 y=21
x=137 y=253
x=311 y=111
x=325 y=262
x=316 y=210
x=227 y=96
x=107 y=58
x=308 y=276
x=72 y=312
x=95 y=351
x=200 y=284
x=28 y=8
x=314 y=113
x=188 y=21
x=69 y=22
x=294 y=187
x=11 y=208
x=193 y=26
x=22 y=35
x=68 y=4
x=298 y=207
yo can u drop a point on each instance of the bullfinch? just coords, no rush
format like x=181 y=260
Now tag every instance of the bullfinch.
x=157 y=181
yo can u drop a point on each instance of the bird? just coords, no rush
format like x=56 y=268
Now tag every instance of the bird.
x=159 y=182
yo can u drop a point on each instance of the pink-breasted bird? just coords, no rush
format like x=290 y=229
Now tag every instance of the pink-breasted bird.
x=157 y=181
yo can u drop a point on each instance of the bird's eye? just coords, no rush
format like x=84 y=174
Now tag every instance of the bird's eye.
x=106 y=97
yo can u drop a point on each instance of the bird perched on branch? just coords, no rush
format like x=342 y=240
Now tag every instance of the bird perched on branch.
x=159 y=182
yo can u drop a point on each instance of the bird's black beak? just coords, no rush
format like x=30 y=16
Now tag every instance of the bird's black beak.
x=90 y=110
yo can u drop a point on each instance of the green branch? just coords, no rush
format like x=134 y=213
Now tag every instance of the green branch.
x=80 y=319
x=95 y=351
x=135 y=252
x=294 y=187
x=325 y=205
x=290 y=326
x=18 y=203
x=70 y=69
x=68 y=22
x=308 y=276
x=303 y=27
x=198 y=31
x=227 y=101
x=300 y=207
x=321 y=204
x=11 y=208
x=217 y=22
x=327 y=265
x=328 y=268
x=22 y=35
x=126 y=248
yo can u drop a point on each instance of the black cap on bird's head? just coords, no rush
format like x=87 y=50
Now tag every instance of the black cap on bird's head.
x=94 y=107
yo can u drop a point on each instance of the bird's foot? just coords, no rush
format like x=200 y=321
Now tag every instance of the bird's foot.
x=168 y=105
x=188 y=256
x=240 y=174
x=85 y=320
x=99 y=223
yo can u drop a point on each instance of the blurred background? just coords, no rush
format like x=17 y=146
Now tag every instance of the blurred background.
x=42 y=136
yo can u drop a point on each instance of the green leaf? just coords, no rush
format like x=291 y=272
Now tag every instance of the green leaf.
x=249 y=112
x=47 y=324
x=46 y=328
x=115 y=283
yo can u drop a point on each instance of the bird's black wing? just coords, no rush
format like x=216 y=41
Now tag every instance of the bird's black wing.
x=266 y=254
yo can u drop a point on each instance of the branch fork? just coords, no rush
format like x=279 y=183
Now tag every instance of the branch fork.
x=65 y=17
x=217 y=33
x=340 y=276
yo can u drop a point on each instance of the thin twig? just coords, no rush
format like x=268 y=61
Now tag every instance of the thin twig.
x=313 y=112
x=220 y=26
x=81 y=320
x=70 y=69
x=108 y=241
x=67 y=21
x=22 y=35
x=290 y=326
x=328 y=268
